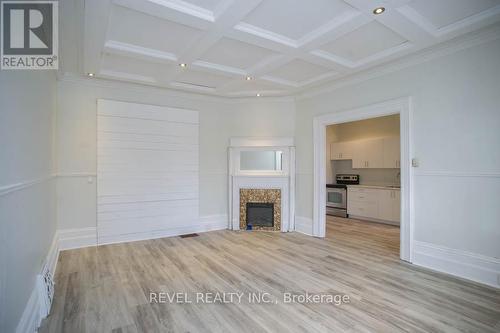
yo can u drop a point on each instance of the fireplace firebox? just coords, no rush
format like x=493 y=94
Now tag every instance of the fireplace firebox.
x=260 y=214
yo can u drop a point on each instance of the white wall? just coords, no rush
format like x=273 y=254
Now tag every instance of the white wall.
x=219 y=120
x=456 y=137
x=27 y=205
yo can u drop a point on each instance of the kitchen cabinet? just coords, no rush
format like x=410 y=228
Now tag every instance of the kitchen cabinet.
x=381 y=204
x=389 y=205
x=368 y=154
x=391 y=152
x=362 y=202
x=341 y=150
x=375 y=153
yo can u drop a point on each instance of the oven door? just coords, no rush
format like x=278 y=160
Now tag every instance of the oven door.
x=336 y=198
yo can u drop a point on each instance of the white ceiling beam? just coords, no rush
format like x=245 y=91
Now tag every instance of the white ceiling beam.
x=233 y=13
x=139 y=52
x=176 y=11
x=97 y=14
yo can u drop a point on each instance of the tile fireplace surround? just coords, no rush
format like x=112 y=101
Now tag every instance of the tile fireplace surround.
x=260 y=196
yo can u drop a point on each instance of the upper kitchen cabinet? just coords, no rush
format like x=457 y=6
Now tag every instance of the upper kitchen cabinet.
x=378 y=153
x=341 y=150
x=368 y=154
x=391 y=154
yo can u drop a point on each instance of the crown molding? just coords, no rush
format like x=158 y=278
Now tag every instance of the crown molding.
x=440 y=50
x=110 y=83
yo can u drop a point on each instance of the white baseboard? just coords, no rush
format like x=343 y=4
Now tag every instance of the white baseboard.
x=303 y=225
x=30 y=319
x=35 y=309
x=85 y=237
x=369 y=219
x=206 y=223
x=467 y=265
x=76 y=238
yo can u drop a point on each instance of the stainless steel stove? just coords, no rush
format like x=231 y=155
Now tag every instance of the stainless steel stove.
x=336 y=194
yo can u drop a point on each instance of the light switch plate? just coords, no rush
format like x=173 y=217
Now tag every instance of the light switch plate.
x=414 y=162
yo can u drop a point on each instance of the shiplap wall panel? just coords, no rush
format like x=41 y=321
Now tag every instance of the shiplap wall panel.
x=147 y=169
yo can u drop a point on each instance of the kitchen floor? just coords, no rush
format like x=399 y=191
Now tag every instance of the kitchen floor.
x=372 y=234
x=107 y=288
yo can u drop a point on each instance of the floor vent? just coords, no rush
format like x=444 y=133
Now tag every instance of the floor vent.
x=188 y=235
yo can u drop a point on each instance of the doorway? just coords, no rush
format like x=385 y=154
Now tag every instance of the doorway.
x=399 y=106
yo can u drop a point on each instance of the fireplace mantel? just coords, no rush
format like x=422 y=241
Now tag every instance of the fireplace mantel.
x=283 y=180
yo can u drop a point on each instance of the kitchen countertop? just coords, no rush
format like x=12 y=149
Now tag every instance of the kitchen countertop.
x=384 y=187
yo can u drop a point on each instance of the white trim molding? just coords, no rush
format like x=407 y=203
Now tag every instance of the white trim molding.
x=467 y=265
x=205 y=224
x=303 y=225
x=76 y=238
x=4 y=190
x=474 y=174
x=261 y=142
x=401 y=106
x=31 y=319
x=36 y=308
x=283 y=179
x=85 y=237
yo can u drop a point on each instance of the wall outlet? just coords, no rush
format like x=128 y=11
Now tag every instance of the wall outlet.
x=414 y=162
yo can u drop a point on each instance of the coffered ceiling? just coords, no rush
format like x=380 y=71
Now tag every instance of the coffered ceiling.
x=267 y=47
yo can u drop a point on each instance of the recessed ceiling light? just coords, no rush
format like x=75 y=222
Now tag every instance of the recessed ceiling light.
x=258 y=95
x=248 y=78
x=183 y=65
x=378 y=10
x=90 y=74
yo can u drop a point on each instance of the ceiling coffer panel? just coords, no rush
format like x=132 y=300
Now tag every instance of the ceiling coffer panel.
x=295 y=18
x=233 y=53
x=298 y=71
x=363 y=42
x=136 y=28
x=445 y=12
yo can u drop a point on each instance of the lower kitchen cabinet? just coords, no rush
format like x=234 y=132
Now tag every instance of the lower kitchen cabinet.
x=382 y=204
x=390 y=205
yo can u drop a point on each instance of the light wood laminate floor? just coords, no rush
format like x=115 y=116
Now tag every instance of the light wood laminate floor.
x=107 y=288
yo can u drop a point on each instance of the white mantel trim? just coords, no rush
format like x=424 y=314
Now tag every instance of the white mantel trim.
x=261 y=142
x=283 y=180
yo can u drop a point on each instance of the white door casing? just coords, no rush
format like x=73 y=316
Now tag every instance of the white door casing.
x=401 y=106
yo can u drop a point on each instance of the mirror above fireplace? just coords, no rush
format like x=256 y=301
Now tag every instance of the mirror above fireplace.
x=261 y=160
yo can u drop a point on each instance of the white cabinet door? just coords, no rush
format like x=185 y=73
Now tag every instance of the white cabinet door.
x=341 y=151
x=368 y=154
x=391 y=152
x=381 y=204
x=385 y=205
x=389 y=205
x=396 y=207
x=363 y=202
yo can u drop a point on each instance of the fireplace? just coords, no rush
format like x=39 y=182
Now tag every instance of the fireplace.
x=260 y=209
x=260 y=214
